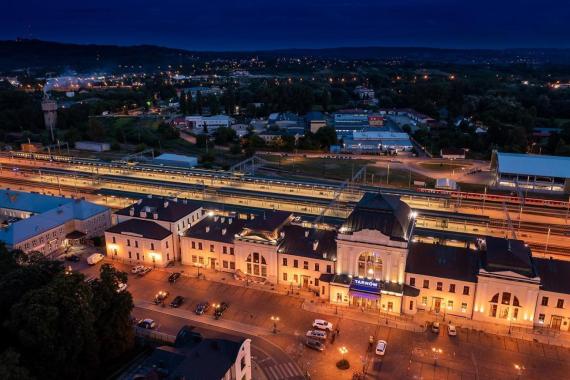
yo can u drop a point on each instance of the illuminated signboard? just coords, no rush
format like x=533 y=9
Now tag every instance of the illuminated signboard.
x=365 y=285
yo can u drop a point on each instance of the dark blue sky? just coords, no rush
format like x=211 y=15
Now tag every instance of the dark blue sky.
x=271 y=24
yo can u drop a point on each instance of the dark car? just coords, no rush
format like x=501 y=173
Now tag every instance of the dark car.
x=173 y=277
x=219 y=310
x=201 y=308
x=160 y=296
x=177 y=301
x=73 y=258
x=315 y=344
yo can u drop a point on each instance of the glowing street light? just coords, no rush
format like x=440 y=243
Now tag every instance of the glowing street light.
x=436 y=352
x=275 y=319
x=343 y=350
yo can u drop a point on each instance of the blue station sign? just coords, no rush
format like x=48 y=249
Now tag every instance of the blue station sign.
x=365 y=285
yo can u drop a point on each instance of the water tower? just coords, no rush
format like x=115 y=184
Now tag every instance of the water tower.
x=49 y=107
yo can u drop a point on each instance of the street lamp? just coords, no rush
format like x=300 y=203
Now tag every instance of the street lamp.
x=519 y=368
x=343 y=350
x=436 y=352
x=275 y=319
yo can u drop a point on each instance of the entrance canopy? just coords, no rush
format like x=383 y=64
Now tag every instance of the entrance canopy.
x=365 y=295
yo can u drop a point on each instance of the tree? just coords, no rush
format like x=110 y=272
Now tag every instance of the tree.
x=53 y=328
x=325 y=137
x=10 y=367
x=224 y=135
x=95 y=130
x=112 y=312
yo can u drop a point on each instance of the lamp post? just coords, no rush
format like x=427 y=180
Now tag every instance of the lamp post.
x=520 y=369
x=436 y=352
x=275 y=319
x=343 y=350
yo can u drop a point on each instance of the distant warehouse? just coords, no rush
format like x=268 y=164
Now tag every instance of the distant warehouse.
x=375 y=142
x=531 y=172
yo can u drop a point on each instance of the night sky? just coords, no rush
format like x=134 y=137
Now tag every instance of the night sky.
x=272 y=24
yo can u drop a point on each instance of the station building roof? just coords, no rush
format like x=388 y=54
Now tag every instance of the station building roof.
x=533 y=165
x=144 y=228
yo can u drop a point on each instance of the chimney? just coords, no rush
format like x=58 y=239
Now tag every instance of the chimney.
x=175 y=199
x=143 y=214
x=215 y=218
x=222 y=219
x=155 y=215
x=324 y=255
x=139 y=201
x=165 y=204
x=315 y=245
x=229 y=220
x=224 y=230
x=149 y=196
x=207 y=229
x=132 y=211
x=306 y=233
x=282 y=234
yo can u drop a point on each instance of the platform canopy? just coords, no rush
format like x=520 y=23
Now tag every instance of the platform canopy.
x=533 y=165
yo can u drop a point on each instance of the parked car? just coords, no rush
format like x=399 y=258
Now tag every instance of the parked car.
x=147 y=324
x=137 y=269
x=322 y=324
x=317 y=334
x=315 y=344
x=160 y=296
x=201 y=308
x=173 y=277
x=435 y=328
x=381 y=347
x=177 y=301
x=73 y=258
x=220 y=309
x=144 y=271
x=451 y=330
x=94 y=258
x=121 y=287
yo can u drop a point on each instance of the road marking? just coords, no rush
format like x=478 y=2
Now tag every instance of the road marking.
x=273 y=373
x=286 y=370
x=293 y=369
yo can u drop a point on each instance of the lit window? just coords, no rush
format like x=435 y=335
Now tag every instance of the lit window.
x=464 y=307
x=424 y=301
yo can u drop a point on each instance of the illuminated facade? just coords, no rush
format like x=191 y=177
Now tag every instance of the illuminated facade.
x=140 y=242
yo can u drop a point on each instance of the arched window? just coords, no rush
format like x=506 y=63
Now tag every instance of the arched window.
x=495 y=298
x=253 y=265
x=516 y=302
x=370 y=265
x=506 y=298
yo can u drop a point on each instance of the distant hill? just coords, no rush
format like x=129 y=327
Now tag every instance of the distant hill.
x=19 y=54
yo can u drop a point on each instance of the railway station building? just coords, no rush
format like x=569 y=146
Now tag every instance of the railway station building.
x=529 y=172
x=372 y=262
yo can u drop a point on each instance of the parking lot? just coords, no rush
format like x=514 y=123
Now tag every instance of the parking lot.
x=469 y=355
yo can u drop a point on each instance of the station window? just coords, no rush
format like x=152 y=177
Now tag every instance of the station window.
x=541 y=319
x=211 y=247
x=426 y=284
x=225 y=250
x=200 y=246
x=194 y=258
x=284 y=276
x=316 y=267
x=284 y=261
x=449 y=304
x=193 y=245
x=439 y=286
x=305 y=265
x=464 y=307
x=232 y=265
x=231 y=250
x=296 y=263
x=544 y=301
x=225 y=264
x=424 y=301
x=412 y=281
x=329 y=269
x=465 y=290
x=451 y=288
x=560 y=303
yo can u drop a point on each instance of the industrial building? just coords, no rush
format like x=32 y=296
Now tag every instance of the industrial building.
x=375 y=142
x=42 y=223
x=530 y=172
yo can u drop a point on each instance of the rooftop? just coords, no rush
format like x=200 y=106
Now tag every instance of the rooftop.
x=507 y=255
x=528 y=164
x=169 y=210
x=144 y=228
x=380 y=212
x=30 y=202
x=554 y=275
x=216 y=228
x=438 y=260
x=308 y=242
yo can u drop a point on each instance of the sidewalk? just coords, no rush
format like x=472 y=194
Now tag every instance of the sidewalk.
x=372 y=317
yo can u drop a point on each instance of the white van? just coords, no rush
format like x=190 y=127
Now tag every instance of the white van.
x=94 y=258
